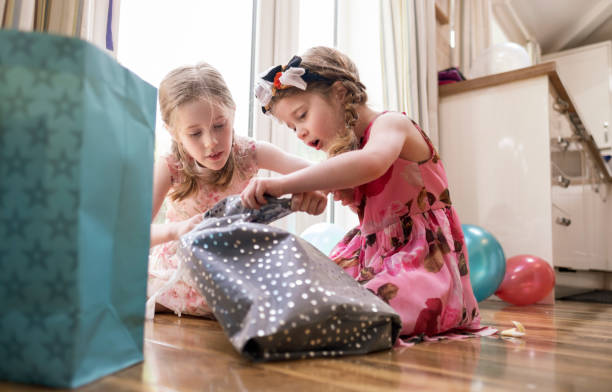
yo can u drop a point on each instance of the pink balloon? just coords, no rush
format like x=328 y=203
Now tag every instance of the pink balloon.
x=528 y=279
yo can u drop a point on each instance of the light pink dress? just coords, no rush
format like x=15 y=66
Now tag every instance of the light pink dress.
x=163 y=261
x=409 y=249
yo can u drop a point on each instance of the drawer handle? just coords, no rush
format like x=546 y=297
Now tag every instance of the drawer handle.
x=563 y=143
x=563 y=181
x=564 y=221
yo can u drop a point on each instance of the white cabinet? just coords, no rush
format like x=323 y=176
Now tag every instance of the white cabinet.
x=585 y=71
x=580 y=222
x=579 y=197
x=510 y=173
x=595 y=200
x=570 y=238
x=495 y=146
x=608 y=229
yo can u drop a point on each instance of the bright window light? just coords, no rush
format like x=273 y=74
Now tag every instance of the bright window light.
x=316 y=24
x=156 y=36
x=316 y=28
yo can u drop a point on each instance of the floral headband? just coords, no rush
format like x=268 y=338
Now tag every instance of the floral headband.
x=282 y=77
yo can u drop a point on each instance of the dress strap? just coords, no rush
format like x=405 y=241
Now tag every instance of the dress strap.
x=366 y=133
x=432 y=149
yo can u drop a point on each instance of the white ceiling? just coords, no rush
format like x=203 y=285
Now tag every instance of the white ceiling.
x=564 y=24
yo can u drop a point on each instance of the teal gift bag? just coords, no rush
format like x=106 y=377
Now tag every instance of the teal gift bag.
x=76 y=162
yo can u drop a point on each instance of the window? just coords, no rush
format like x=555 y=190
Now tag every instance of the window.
x=220 y=33
x=341 y=24
x=316 y=28
x=156 y=36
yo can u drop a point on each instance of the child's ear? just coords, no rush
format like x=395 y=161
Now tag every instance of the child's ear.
x=339 y=91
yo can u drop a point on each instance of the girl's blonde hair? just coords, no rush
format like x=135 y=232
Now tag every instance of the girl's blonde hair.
x=335 y=66
x=183 y=85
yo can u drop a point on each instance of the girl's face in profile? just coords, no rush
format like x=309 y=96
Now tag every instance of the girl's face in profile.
x=205 y=130
x=315 y=120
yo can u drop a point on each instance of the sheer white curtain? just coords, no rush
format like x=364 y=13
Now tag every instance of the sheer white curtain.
x=276 y=42
x=358 y=35
x=474 y=34
x=187 y=32
x=288 y=27
x=410 y=79
x=96 y=21
x=410 y=69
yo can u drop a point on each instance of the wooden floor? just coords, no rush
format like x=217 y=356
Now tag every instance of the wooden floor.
x=568 y=347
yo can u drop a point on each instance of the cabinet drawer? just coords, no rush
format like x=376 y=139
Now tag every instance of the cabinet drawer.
x=570 y=245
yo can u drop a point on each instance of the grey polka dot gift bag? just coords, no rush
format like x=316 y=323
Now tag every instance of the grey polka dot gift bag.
x=277 y=296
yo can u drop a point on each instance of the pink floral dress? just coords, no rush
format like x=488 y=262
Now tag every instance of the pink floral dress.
x=409 y=249
x=163 y=261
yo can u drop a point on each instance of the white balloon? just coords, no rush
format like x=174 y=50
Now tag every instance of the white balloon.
x=499 y=58
x=324 y=236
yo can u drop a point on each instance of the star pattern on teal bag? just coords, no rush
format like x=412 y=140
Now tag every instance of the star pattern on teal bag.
x=13 y=287
x=68 y=50
x=3 y=259
x=70 y=259
x=15 y=224
x=16 y=163
x=34 y=374
x=63 y=164
x=13 y=347
x=36 y=318
x=3 y=193
x=56 y=348
x=37 y=255
x=74 y=193
x=65 y=105
x=59 y=287
x=60 y=225
x=39 y=133
x=43 y=77
x=77 y=136
x=38 y=195
x=21 y=44
x=73 y=318
x=18 y=103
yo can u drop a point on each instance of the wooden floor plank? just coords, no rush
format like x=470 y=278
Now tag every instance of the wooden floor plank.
x=568 y=347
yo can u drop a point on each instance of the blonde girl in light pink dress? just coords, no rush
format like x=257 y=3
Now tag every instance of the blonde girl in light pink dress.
x=207 y=162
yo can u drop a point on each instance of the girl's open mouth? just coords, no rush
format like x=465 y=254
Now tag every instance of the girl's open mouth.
x=214 y=157
x=316 y=144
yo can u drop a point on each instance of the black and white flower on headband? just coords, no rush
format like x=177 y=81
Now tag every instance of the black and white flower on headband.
x=281 y=77
x=263 y=92
x=290 y=77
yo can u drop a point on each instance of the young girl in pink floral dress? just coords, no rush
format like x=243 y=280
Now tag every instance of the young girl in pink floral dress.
x=409 y=247
x=207 y=163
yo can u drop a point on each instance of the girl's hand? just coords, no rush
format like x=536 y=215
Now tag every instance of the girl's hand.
x=313 y=203
x=253 y=196
x=346 y=197
x=186 y=226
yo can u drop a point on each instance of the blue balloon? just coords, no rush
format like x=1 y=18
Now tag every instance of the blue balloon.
x=324 y=236
x=486 y=261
